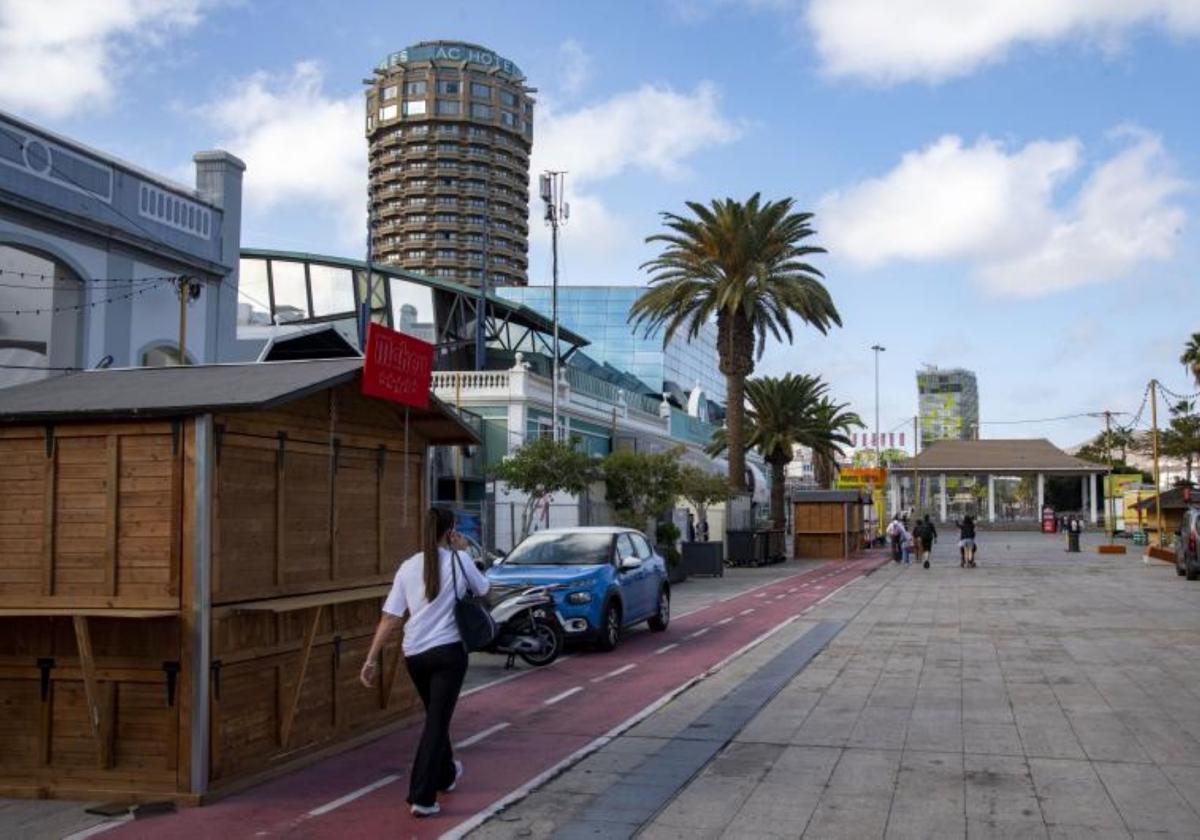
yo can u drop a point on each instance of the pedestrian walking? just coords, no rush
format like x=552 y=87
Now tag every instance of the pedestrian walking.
x=966 y=542
x=926 y=537
x=895 y=534
x=424 y=593
x=1075 y=529
x=908 y=546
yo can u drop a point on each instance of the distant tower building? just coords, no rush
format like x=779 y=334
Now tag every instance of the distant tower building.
x=450 y=128
x=949 y=404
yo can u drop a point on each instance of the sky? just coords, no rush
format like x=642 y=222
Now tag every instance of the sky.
x=1008 y=186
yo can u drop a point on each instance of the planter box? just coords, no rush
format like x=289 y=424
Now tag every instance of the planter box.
x=677 y=573
x=704 y=558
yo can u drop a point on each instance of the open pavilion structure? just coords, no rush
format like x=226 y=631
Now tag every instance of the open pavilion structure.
x=988 y=460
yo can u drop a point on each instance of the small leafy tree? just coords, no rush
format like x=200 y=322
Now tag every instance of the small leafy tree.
x=542 y=467
x=700 y=489
x=641 y=485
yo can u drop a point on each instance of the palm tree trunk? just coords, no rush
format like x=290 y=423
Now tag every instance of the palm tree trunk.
x=734 y=415
x=777 y=480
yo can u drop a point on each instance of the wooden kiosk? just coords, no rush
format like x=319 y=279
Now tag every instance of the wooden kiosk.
x=828 y=524
x=192 y=562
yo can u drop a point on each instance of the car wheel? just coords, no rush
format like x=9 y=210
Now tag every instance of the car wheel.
x=610 y=627
x=659 y=621
x=1179 y=570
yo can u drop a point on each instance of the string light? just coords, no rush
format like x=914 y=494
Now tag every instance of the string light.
x=76 y=307
x=33 y=275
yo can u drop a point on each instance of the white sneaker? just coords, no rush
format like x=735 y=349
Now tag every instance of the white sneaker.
x=458 y=771
x=425 y=810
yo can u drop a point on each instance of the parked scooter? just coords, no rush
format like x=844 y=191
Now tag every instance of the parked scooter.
x=528 y=626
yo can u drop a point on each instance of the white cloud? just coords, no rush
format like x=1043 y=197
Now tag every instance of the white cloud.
x=653 y=129
x=576 y=69
x=58 y=57
x=304 y=148
x=996 y=210
x=893 y=41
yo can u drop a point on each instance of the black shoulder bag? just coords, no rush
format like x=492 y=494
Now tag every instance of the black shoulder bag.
x=474 y=619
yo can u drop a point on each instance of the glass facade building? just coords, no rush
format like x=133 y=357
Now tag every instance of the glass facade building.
x=949 y=404
x=601 y=314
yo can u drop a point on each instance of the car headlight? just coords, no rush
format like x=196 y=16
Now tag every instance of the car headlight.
x=579 y=598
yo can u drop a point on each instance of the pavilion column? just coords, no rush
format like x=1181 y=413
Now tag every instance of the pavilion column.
x=893 y=494
x=1041 y=495
x=1091 y=479
x=942 y=496
x=991 y=498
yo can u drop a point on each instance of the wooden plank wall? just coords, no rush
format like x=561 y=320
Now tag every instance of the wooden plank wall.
x=818 y=530
x=310 y=498
x=90 y=516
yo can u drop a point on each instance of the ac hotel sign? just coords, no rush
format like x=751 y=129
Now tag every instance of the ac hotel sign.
x=455 y=51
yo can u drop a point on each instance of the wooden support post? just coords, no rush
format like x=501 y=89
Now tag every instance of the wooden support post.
x=112 y=512
x=280 y=509
x=87 y=666
x=289 y=715
x=49 y=511
x=380 y=518
x=334 y=457
x=46 y=726
x=387 y=676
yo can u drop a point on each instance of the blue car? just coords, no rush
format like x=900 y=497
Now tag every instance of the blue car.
x=603 y=579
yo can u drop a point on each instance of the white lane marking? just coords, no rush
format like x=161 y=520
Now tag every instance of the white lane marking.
x=747 y=611
x=615 y=673
x=666 y=648
x=558 y=698
x=99 y=828
x=465 y=828
x=699 y=632
x=479 y=736
x=790 y=591
x=761 y=595
x=781 y=596
x=724 y=621
x=352 y=795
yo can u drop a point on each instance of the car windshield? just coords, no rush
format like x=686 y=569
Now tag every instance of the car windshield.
x=562 y=550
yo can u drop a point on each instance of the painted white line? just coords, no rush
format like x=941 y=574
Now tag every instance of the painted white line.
x=747 y=611
x=99 y=829
x=615 y=673
x=558 y=698
x=666 y=648
x=724 y=621
x=352 y=795
x=781 y=596
x=465 y=828
x=699 y=632
x=479 y=736
x=514 y=675
x=790 y=591
x=761 y=595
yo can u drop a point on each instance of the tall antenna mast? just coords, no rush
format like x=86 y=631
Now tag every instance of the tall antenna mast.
x=551 y=185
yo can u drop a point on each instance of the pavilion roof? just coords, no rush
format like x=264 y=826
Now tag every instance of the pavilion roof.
x=997 y=456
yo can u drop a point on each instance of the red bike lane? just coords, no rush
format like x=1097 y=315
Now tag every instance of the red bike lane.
x=511 y=733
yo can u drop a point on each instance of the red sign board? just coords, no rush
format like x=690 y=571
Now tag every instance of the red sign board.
x=398 y=367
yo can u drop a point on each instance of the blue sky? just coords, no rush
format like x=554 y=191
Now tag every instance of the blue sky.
x=1002 y=186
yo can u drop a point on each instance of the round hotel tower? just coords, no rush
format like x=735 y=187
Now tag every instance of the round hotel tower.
x=449 y=130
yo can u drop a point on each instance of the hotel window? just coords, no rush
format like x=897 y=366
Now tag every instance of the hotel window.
x=446 y=218
x=448 y=128
x=508 y=118
x=480 y=91
x=481 y=111
x=387 y=112
x=414 y=107
x=415 y=255
x=449 y=107
x=390 y=91
x=508 y=99
x=448 y=87
x=447 y=254
x=413 y=89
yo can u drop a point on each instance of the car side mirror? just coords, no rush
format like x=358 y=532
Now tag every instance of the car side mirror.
x=630 y=563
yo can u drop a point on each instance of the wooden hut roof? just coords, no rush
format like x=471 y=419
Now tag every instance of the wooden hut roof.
x=181 y=391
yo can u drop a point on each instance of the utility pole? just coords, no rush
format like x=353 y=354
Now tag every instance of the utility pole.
x=1110 y=524
x=1158 y=522
x=557 y=213
x=878 y=457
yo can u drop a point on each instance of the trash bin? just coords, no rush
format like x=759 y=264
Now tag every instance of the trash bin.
x=1073 y=541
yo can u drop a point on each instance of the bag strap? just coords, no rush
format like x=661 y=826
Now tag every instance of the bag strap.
x=454 y=564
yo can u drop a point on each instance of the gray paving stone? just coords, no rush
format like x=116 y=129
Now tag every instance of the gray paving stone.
x=1070 y=793
x=1146 y=799
x=844 y=817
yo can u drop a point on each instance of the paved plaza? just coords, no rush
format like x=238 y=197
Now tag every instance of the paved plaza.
x=1042 y=694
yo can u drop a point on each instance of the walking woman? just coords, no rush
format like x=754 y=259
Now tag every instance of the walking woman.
x=425 y=590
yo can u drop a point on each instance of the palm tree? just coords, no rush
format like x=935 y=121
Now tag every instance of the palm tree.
x=830 y=436
x=780 y=415
x=745 y=265
x=1191 y=356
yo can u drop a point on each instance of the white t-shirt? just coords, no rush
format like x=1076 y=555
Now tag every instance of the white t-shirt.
x=430 y=625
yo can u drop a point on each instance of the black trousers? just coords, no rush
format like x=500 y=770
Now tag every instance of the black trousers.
x=438 y=676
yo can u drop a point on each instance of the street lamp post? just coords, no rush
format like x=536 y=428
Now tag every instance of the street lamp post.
x=557 y=212
x=878 y=349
